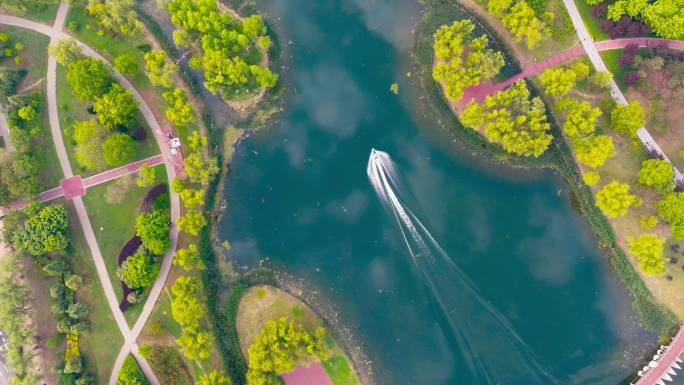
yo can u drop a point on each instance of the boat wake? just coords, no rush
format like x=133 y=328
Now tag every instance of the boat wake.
x=492 y=350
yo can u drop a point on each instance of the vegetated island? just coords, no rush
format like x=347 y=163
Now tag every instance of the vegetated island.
x=267 y=315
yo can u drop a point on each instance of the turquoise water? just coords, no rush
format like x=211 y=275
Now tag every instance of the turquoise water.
x=510 y=287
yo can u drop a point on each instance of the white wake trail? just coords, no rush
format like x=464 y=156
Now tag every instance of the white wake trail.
x=493 y=351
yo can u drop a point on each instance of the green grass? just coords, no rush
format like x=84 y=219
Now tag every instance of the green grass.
x=101 y=346
x=72 y=110
x=339 y=371
x=34 y=54
x=592 y=24
x=113 y=225
x=46 y=16
x=611 y=60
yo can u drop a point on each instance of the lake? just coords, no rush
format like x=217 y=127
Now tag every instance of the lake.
x=511 y=288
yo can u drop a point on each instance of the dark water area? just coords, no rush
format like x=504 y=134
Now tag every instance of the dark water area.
x=300 y=202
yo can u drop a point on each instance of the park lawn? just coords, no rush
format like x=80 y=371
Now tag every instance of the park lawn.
x=611 y=59
x=263 y=302
x=114 y=224
x=72 y=110
x=101 y=346
x=34 y=54
x=46 y=16
x=593 y=24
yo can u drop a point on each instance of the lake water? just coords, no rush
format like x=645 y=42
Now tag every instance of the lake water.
x=511 y=287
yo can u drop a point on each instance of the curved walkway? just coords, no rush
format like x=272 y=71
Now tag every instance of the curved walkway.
x=665 y=364
x=173 y=163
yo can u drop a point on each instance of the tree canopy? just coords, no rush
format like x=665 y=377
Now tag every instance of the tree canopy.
x=614 y=199
x=118 y=16
x=45 y=232
x=88 y=137
x=153 y=230
x=130 y=373
x=627 y=119
x=462 y=60
x=512 y=119
x=648 y=249
x=657 y=173
x=520 y=18
x=671 y=210
x=116 y=108
x=279 y=347
x=139 y=270
x=88 y=78
x=119 y=149
x=665 y=17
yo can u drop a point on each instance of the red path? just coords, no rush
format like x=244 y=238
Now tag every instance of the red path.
x=75 y=186
x=307 y=375
x=479 y=92
x=672 y=352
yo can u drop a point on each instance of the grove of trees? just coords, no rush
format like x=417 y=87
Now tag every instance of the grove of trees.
x=117 y=16
x=511 y=119
x=520 y=18
x=462 y=60
x=665 y=17
x=279 y=347
x=229 y=50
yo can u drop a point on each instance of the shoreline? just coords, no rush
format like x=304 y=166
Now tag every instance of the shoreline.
x=652 y=314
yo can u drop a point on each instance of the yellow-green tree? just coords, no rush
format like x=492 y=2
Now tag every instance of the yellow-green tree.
x=580 y=117
x=521 y=20
x=648 y=250
x=461 y=60
x=657 y=173
x=671 y=210
x=558 y=80
x=511 y=119
x=614 y=199
x=627 y=119
x=279 y=347
x=594 y=150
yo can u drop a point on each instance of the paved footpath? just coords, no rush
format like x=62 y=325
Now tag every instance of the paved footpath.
x=174 y=166
x=664 y=364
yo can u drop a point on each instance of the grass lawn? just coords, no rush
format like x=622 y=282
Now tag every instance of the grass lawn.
x=34 y=54
x=592 y=23
x=46 y=16
x=113 y=224
x=101 y=346
x=611 y=60
x=262 y=303
x=72 y=110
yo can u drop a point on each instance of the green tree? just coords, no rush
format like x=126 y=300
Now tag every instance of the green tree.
x=45 y=232
x=119 y=149
x=648 y=222
x=594 y=150
x=127 y=64
x=9 y=79
x=558 y=80
x=627 y=119
x=116 y=108
x=192 y=222
x=73 y=282
x=521 y=20
x=671 y=210
x=665 y=17
x=580 y=117
x=189 y=258
x=146 y=176
x=180 y=110
x=658 y=174
x=648 y=249
x=614 y=199
x=153 y=230
x=253 y=26
x=591 y=178
x=199 y=169
x=195 y=345
x=77 y=310
x=88 y=137
x=192 y=198
x=158 y=70
x=130 y=373
x=280 y=346
x=461 y=60
x=118 y=16
x=88 y=78
x=65 y=51
x=214 y=378
x=138 y=271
